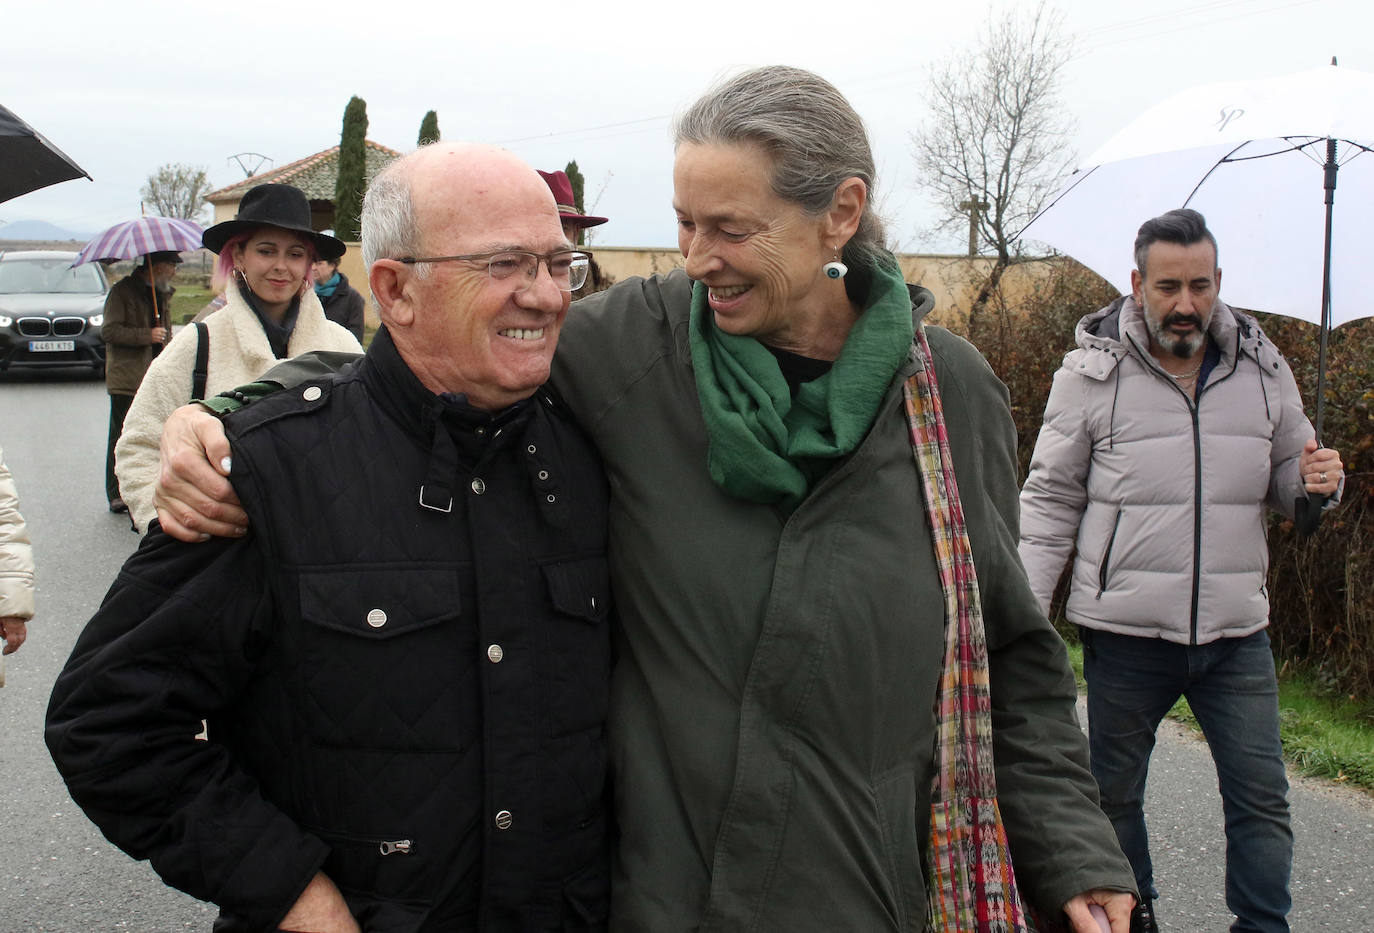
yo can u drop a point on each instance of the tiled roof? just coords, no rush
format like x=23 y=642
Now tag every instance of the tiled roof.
x=316 y=175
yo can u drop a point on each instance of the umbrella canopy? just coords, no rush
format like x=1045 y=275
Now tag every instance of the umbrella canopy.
x=135 y=238
x=1249 y=156
x=1283 y=170
x=28 y=161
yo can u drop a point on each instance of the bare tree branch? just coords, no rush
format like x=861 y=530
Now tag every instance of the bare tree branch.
x=177 y=190
x=995 y=128
x=996 y=133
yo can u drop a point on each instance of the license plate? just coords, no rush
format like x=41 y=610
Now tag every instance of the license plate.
x=51 y=346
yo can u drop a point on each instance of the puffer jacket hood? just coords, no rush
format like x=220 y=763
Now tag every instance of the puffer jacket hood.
x=1108 y=335
x=1161 y=494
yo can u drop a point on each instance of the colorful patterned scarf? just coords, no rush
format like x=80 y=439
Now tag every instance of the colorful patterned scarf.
x=970 y=884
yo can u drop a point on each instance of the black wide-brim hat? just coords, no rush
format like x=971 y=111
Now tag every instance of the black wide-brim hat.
x=282 y=206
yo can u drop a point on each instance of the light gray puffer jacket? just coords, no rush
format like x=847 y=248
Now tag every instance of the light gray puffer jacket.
x=1164 y=498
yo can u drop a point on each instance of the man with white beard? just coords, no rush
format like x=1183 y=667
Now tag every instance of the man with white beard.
x=1165 y=434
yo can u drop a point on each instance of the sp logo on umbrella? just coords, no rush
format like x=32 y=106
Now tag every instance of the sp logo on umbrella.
x=1229 y=114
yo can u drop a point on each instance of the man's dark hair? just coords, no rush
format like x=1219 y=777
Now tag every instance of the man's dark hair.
x=1183 y=226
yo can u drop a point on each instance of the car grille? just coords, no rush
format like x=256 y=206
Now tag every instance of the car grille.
x=56 y=327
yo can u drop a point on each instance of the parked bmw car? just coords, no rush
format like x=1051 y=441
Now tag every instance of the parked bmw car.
x=50 y=313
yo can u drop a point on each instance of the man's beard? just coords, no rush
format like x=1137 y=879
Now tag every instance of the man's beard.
x=1182 y=347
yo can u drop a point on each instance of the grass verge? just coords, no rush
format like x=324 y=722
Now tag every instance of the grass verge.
x=1323 y=735
x=188 y=301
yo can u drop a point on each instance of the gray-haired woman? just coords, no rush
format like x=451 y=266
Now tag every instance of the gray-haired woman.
x=819 y=709
x=783 y=619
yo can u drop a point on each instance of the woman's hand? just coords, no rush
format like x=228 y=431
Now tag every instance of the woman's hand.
x=194 y=500
x=13 y=630
x=1117 y=904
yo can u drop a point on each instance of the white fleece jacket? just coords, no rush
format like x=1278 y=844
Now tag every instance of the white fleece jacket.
x=239 y=354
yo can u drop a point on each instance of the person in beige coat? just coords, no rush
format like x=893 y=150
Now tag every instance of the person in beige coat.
x=16 y=569
x=271 y=313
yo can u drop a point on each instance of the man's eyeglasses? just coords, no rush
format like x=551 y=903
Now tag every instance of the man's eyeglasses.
x=567 y=267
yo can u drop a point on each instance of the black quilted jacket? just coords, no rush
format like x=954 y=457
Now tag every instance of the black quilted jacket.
x=404 y=667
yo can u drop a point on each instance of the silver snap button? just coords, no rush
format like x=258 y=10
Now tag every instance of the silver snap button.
x=478 y=486
x=376 y=618
x=495 y=653
x=312 y=394
x=503 y=819
x=551 y=498
x=543 y=474
x=480 y=432
x=529 y=449
x=593 y=602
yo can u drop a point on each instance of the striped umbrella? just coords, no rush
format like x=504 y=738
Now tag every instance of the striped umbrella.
x=135 y=238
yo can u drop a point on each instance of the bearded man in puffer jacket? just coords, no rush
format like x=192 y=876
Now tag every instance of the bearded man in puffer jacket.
x=1165 y=435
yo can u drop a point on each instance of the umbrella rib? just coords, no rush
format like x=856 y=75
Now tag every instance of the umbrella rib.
x=1215 y=165
x=1269 y=155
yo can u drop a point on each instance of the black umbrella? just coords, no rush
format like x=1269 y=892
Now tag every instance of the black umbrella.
x=28 y=161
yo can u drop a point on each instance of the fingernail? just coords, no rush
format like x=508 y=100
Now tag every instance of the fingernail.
x=226 y=464
x=203 y=537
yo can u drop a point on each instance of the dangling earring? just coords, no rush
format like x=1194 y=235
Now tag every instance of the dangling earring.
x=835 y=269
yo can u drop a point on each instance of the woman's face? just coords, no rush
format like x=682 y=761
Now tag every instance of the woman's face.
x=323 y=270
x=275 y=263
x=759 y=256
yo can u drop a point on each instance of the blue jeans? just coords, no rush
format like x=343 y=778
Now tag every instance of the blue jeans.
x=1231 y=688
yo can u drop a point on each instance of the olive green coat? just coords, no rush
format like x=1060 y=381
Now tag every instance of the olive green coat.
x=127 y=330
x=771 y=718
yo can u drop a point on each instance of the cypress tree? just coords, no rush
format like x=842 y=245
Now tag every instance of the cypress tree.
x=348 y=190
x=575 y=178
x=429 y=129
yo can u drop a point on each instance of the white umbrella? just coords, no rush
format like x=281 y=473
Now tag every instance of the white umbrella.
x=1265 y=162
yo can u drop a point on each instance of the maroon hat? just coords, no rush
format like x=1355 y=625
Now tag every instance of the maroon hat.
x=562 y=193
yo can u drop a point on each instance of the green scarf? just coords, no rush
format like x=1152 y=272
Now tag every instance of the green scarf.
x=765 y=445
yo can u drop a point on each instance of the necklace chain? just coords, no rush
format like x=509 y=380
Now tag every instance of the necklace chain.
x=1182 y=377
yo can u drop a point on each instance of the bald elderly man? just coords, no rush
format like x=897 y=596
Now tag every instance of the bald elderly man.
x=404 y=666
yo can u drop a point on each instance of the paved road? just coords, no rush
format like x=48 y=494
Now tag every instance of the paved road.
x=58 y=875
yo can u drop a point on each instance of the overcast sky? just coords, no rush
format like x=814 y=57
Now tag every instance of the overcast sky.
x=124 y=88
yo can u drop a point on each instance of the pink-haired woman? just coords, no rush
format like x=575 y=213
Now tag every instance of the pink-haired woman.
x=271 y=313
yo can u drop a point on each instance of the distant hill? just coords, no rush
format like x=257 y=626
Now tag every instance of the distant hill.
x=38 y=230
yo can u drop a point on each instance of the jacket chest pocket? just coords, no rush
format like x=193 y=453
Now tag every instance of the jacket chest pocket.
x=382 y=660
x=575 y=654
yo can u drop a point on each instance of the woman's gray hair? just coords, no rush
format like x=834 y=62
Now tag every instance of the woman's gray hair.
x=388 y=219
x=815 y=137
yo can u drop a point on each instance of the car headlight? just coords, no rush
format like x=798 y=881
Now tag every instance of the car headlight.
x=6 y=320
x=96 y=319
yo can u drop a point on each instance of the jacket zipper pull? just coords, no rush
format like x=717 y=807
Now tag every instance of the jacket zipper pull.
x=391 y=848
